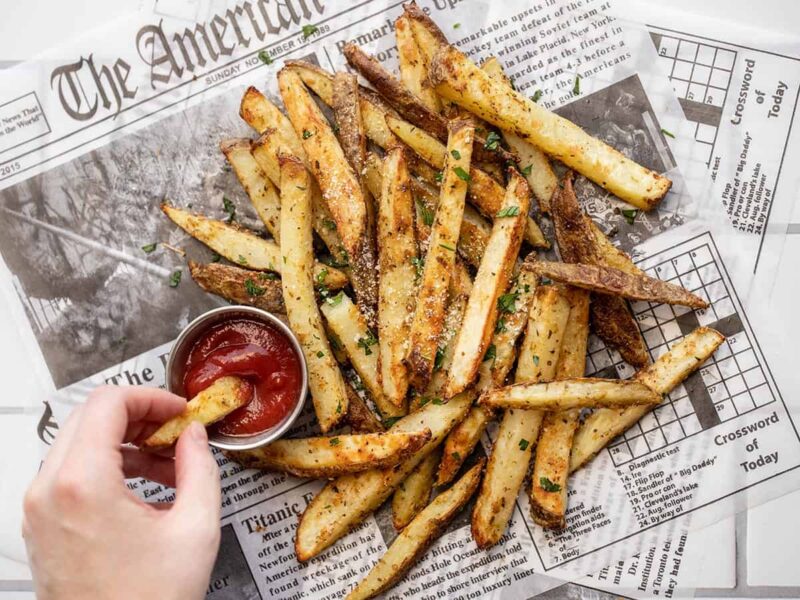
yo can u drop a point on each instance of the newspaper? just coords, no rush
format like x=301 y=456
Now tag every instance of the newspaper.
x=93 y=143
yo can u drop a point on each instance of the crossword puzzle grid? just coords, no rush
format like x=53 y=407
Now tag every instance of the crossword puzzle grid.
x=700 y=75
x=731 y=383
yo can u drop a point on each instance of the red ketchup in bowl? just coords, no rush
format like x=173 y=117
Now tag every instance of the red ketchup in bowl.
x=257 y=352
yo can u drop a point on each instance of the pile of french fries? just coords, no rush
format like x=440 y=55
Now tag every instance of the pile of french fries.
x=397 y=217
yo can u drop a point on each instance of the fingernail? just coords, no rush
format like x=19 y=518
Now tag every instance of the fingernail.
x=198 y=433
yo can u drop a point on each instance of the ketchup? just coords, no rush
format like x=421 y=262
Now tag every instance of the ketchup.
x=257 y=352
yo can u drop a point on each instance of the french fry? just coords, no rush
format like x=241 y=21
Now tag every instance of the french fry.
x=340 y=186
x=457 y=78
x=261 y=114
x=214 y=403
x=324 y=457
x=484 y=192
x=548 y=491
x=414 y=540
x=325 y=381
x=610 y=281
x=492 y=373
x=428 y=35
x=397 y=260
x=346 y=501
x=413 y=69
x=360 y=418
x=361 y=346
x=240 y=285
x=519 y=429
x=474 y=236
x=244 y=248
x=265 y=151
x=410 y=107
x=415 y=492
x=490 y=283
x=669 y=370
x=428 y=321
x=256 y=184
x=608 y=254
x=576 y=392
x=532 y=161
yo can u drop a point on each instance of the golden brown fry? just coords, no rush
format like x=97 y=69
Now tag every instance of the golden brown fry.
x=261 y=114
x=519 y=429
x=243 y=247
x=398 y=262
x=461 y=442
x=348 y=500
x=577 y=392
x=325 y=381
x=431 y=298
x=548 y=491
x=221 y=398
x=671 y=368
x=262 y=290
x=610 y=281
x=428 y=35
x=413 y=70
x=360 y=418
x=415 y=492
x=457 y=78
x=490 y=283
x=413 y=541
x=323 y=457
x=259 y=188
x=608 y=254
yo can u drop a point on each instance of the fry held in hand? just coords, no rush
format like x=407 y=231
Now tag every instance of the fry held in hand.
x=322 y=457
x=214 y=403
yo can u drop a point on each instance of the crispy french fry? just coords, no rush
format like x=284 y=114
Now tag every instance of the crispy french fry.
x=348 y=500
x=214 y=403
x=461 y=442
x=262 y=290
x=484 y=192
x=415 y=492
x=397 y=263
x=428 y=321
x=265 y=151
x=548 y=491
x=414 y=540
x=474 y=236
x=608 y=254
x=519 y=429
x=244 y=248
x=610 y=281
x=259 y=188
x=361 y=346
x=532 y=161
x=457 y=78
x=576 y=392
x=428 y=35
x=325 y=381
x=360 y=418
x=261 y=114
x=323 y=457
x=491 y=282
x=340 y=186
x=413 y=70
x=669 y=370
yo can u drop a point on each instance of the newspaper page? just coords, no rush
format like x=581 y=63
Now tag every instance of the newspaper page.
x=91 y=147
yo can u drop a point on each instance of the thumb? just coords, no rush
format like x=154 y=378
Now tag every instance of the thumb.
x=196 y=479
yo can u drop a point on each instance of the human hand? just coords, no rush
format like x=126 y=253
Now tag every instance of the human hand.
x=88 y=536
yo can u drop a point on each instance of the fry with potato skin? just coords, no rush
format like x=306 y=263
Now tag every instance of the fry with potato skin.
x=610 y=281
x=519 y=429
x=429 y=314
x=413 y=70
x=256 y=184
x=668 y=371
x=414 y=540
x=361 y=346
x=240 y=285
x=323 y=457
x=244 y=248
x=397 y=256
x=457 y=78
x=325 y=381
x=491 y=282
x=346 y=501
x=359 y=417
x=214 y=403
x=548 y=489
x=415 y=492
